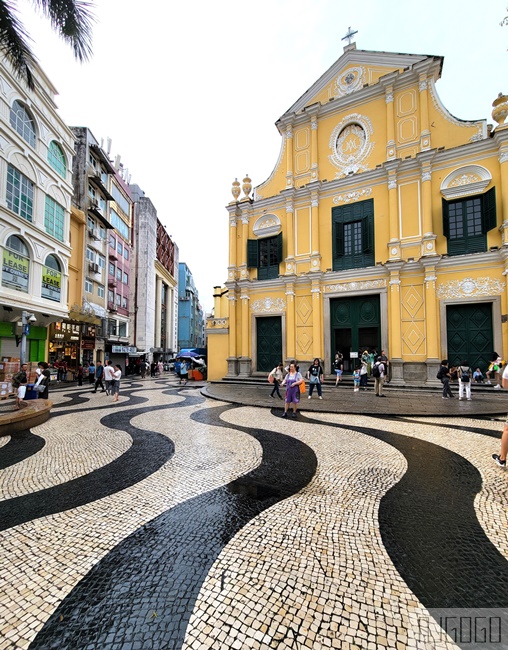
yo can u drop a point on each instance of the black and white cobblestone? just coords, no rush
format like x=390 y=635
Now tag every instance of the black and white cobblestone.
x=241 y=530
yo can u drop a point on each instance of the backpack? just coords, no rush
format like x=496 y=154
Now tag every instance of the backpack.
x=464 y=375
x=375 y=370
x=440 y=373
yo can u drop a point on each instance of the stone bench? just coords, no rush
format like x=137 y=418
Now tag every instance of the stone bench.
x=32 y=413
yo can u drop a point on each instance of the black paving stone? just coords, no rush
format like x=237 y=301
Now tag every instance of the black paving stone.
x=165 y=562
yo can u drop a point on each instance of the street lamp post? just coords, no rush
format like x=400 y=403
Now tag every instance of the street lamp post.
x=26 y=318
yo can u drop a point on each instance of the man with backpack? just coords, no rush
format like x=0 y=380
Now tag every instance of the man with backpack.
x=379 y=373
x=464 y=375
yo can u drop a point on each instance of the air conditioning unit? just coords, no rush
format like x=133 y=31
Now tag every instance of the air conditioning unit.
x=94 y=267
x=113 y=308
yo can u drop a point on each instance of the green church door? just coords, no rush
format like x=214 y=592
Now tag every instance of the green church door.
x=469 y=334
x=355 y=326
x=269 y=342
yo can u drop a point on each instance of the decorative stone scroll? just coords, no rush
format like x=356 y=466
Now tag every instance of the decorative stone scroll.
x=268 y=305
x=465 y=181
x=469 y=287
x=344 y=287
x=267 y=224
x=355 y=195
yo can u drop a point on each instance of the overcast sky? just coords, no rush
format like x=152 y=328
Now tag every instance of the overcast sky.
x=189 y=92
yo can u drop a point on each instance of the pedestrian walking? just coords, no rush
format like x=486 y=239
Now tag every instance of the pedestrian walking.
x=338 y=367
x=79 y=375
x=444 y=376
x=108 y=377
x=464 y=375
x=184 y=372
x=379 y=373
x=292 y=382
x=91 y=373
x=277 y=375
x=315 y=376
x=99 y=374
x=160 y=368
x=153 y=368
x=500 y=459
x=117 y=375
x=143 y=369
x=495 y=366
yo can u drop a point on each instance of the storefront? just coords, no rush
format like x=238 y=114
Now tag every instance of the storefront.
x=125 y=355
x=88 y=344
x=10 y=338
x=71 y=342
x=64 y=343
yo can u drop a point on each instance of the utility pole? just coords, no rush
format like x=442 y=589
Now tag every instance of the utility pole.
x=26 y=318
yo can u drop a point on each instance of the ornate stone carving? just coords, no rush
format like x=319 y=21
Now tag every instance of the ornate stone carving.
x=344 y=287
x=350 y=143
x=422 y=85
x=500 y=111
x=389 y=98
x=426 y=176
x=465 y=181
x=313 y=125
x=349 y=81
x=235 y=190
x=289 y=133
x=392 y=184
x=247 y=185
x=503 y=156
x=268 y=305
x=267 y=224
x=356 y=195
x=470 y=287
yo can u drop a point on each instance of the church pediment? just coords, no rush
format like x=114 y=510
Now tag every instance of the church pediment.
x=354 y=70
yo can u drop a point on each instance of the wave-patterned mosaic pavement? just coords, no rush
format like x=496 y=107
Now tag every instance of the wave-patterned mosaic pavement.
x=171 y=521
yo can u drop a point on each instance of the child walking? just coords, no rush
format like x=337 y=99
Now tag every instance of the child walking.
x=356 y=380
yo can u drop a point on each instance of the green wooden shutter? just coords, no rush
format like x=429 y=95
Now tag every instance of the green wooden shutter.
x=489 y=219
x=367 y=235
x=280 y=256
x=339 y=239
x=446 y=230
x=252 y=253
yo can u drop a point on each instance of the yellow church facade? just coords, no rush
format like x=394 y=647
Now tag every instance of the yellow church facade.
x=384 y=226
